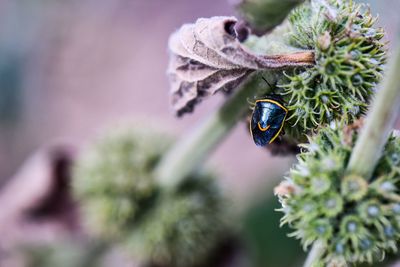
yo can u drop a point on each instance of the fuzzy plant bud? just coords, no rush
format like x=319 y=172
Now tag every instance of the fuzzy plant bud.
x=113 y=178
x=183 y=229
x=356 y=219
x=349 y=56
x=263 y=15
x=122 y=201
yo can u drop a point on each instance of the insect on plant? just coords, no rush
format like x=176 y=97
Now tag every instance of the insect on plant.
x=267 y=119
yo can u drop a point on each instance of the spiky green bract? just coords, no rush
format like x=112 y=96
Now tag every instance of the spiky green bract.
x=349 y=57
x=357 y=220
x=183 y=228
x=123 y=202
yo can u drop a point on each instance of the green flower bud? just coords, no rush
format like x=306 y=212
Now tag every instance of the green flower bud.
x=263 y=15
x=321 y=229
x=354 y=187
x=332 y=205
x=368 y=250
x=371 y=212
x=320 y=185
x=385 y=185
x=351 y=227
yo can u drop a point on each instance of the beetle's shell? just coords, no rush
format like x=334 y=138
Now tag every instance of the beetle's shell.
x=267 y=121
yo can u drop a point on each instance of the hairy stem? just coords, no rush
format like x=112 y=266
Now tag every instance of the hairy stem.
x=315 y=253
x=192 y=150
x=379 y=123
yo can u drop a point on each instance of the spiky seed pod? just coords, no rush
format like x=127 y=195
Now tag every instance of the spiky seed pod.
x=357 y=219
x=113 y=179
x=122 y=201
x=349 y=58
x=183 y=229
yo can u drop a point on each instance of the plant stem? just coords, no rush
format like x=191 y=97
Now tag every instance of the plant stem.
x=379 y=123
x=316 y=252
x=192 y=150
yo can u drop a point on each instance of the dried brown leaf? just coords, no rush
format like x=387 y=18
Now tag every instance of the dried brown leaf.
x=36 y=203
x=207 y=56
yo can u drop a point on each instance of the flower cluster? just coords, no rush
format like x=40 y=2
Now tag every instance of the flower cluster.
x=349 y=57
x=122 y=201
x=357 y=219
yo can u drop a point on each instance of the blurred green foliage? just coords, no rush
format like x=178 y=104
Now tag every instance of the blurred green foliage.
x=268 y=243
x=263 y=15
x=65 y=254
x=122 y=202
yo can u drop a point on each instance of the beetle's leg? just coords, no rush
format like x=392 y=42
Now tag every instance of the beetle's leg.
x=252 y=104
x=270 y=86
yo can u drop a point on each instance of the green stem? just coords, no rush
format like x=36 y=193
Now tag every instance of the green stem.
x=379 y=123
x=191 y=151
x=316 y=252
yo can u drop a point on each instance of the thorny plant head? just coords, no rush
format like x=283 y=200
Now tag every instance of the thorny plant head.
x=357 y=219
x=113 y=178
x=122 y=201
x=349 y=59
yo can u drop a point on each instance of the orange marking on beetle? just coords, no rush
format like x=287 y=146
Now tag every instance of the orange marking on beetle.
x=263 y=129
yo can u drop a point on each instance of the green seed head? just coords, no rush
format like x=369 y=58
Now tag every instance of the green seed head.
x=113 y=179
x=183 y=229
x=358 y=220
x=349 y=60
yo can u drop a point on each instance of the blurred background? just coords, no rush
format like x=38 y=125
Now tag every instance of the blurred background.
x=71 y=68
